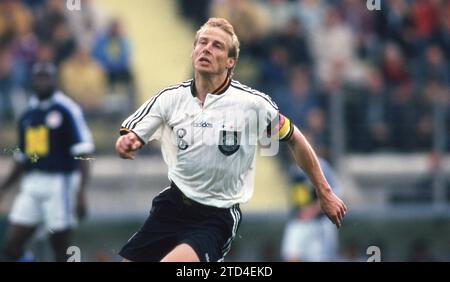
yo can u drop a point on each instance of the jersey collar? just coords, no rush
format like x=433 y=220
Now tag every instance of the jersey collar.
x=220 y=90
x=43 y=104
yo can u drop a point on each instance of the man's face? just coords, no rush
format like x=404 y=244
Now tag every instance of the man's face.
x=43 y=85
x=210 y=54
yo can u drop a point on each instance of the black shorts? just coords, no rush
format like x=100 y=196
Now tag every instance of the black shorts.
x=175 y=219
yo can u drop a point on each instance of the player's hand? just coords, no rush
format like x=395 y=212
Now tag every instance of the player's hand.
x=127 y=144
x=333 y=207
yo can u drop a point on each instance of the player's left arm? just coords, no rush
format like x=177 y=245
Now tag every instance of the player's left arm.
x=85 y=173
x=82 y=148
x=281 y=128
x=307 y=160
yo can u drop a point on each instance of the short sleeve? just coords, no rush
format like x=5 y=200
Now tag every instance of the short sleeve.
x=274 y=124
x=81 y=137
x=148 y=118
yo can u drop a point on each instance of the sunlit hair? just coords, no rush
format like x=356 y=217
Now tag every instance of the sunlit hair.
x=224 y=25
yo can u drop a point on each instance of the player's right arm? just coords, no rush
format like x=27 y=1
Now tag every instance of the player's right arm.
x=138 y=128
x=12 y=177
x=19 y=161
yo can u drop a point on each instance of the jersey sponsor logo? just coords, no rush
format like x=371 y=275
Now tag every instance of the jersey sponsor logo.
x=229 y=142
x=202 y=124
x=53 y=119
x=182 y=144
x=37 y=141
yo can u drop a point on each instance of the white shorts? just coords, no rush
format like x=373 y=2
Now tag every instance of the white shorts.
x=314 y=240
x=47 y=198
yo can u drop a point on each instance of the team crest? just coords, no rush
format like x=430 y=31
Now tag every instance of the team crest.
x=229 y=142
x=53 y=119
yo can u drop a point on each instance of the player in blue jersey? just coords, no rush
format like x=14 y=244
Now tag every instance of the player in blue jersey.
x=309 y=235
x=53 y=140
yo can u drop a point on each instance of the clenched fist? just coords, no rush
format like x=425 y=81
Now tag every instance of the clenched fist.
x=127 y=144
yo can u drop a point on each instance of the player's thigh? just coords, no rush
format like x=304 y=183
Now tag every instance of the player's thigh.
x=181 y=253
x=59 y=208
x=212 y=237
x=26 y=210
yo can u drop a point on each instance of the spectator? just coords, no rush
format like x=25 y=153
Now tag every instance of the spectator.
x=197 y=11
x=402 y=117
x=83 y=79
x=317 y=128
x=274 y=69
x=435 y=66
x=112 y=50
x=362 y=23
x=394 y=66
x=12 y=95
x=298 y=99
x=45 y=52
x=24 y=49
x=88 y=24
x=249 y=20
x=376 y=110
x=280 y=13
x=15 y=19
x=62 y=41
x=311 y=13
x=425 y=18
x=292 y=37
x=48 y=18
x=396 y=21
x=334 y=32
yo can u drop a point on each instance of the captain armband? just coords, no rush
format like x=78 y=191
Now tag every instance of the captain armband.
x=286 y=128
x=282 y=127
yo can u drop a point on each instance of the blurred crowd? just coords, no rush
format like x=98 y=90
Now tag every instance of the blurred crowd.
x=91 y=51
x=389 y=67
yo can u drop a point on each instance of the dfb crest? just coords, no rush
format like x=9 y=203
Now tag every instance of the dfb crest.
x=229 y=142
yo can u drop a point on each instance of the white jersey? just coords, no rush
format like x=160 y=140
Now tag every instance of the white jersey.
x=210 y=149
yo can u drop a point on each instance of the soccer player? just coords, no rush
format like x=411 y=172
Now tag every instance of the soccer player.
x=308 y=235
x=208 y=127
x=53 y=136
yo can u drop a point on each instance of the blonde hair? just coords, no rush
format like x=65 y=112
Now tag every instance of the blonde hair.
x=224 y=25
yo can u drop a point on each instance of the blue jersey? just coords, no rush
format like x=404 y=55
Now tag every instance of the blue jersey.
x=52 y=133
x=303 y=191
